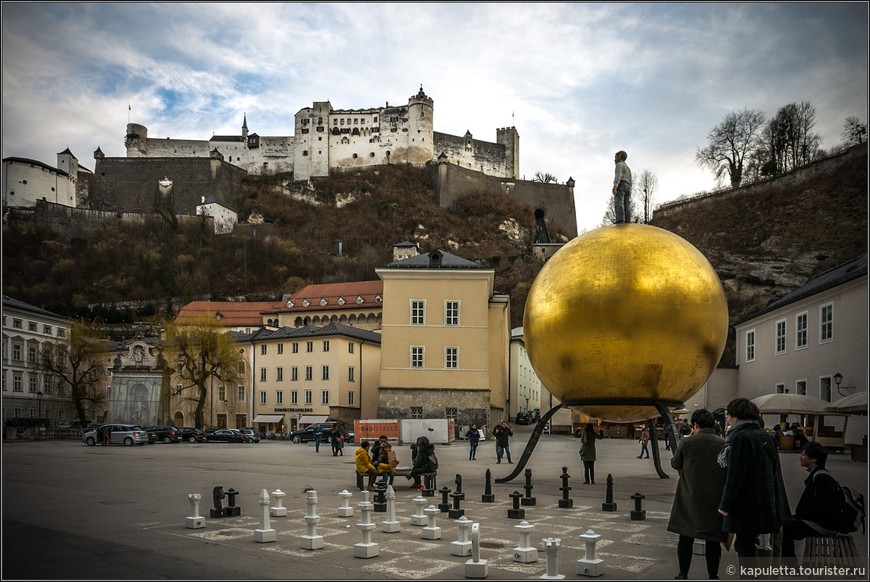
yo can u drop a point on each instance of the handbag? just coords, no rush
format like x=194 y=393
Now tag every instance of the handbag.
x=582 y=451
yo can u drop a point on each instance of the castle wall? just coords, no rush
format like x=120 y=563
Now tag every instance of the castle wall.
x=26 y=182
x=555 y=200
x=473 y=154
x=131 y=184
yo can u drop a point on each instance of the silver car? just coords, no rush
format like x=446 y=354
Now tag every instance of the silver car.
x=122 y=434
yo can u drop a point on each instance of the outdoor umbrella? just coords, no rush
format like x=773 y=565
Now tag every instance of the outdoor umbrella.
x=787 y=403
x=856 y=402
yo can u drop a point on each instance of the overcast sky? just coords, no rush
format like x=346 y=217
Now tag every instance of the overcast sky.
x=578 y=80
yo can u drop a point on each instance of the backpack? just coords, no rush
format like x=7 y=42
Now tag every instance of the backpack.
x=850 y=513
x=433 y=462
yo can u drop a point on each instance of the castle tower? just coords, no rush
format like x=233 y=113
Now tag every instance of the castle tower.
x=136 y=141
x=510 y=139
x=67 y=162
x=421 y=122
x=245 y=127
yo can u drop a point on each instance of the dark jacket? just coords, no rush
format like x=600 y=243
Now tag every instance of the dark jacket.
x=750 y=496
x=422 y=463
x=587 y=445
x=502 y=434
x=819 y=500
x=473 y=435
x=695 y=511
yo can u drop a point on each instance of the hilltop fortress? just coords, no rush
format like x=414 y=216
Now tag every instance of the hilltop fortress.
x=191 y=177
x=328 y=140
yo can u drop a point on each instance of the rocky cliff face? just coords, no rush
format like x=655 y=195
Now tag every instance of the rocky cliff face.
x=767 y=239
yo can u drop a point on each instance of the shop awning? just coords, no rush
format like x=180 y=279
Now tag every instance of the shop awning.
x=311 y=419
x=268 y=418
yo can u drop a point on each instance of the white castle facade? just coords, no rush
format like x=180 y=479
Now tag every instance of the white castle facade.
x=327 y=140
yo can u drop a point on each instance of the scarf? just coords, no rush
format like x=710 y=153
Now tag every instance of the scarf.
x=722 y=459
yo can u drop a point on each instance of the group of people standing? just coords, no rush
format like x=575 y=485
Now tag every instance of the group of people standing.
x=732 y=490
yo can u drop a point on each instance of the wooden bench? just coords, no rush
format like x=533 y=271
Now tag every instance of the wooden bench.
x=837 y=550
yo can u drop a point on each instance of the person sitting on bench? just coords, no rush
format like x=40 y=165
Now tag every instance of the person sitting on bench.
x=421 y=452
x=364 y=464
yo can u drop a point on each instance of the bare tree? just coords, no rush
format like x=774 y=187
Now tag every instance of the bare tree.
x=544 y=177
x=77 y=365
x=642 y=192
x=199 y=355
x=730 y=142
x=789 y=138
x=854 y=131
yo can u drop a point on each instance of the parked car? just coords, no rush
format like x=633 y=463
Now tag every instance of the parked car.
x=225 y=435
x=164 y=434
x=191 y=434
x=259 y=433
x=306 y=435
x=252 y=433
x=523 y=417
x=122 y=434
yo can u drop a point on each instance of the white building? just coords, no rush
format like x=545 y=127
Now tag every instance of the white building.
x=28 y=393
x=26 y=181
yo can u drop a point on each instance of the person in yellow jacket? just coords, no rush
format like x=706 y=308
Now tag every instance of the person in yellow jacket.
x=364 y=464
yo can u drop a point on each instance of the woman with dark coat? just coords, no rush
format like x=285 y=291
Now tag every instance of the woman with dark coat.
x=751 y=498
x=587 y=453
x=694 y=513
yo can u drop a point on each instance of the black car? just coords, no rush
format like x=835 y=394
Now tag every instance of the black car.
x=523 y=418
x=191 y=434
x=225 y=435
x=306 y=435
x=164 y=434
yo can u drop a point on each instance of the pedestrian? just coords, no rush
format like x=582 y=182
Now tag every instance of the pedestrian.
x=336 y=439
x=817 y=507
x=750 y=498
x=423 y=461
x=621 y=189
x=386 y=462
x=364 y=464
x=318 y=436
x=106 y=434
x=502 y=433
x=375 y=453
x=587 y=453
x=644 y=441
x=473 y=436
x=694 y=512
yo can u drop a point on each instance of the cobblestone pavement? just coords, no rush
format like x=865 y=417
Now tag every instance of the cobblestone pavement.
x=135 y=501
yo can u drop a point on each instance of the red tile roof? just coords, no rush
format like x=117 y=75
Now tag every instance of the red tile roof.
x=232 y=313
x=333 y=294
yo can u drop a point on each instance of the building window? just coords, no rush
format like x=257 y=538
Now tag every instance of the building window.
x=416 y=356
x=416 y=412
x=31 y=354
x=750 y=346
x=262 y=397
x=294 y=374
x=16 y=352
x=309 y=347
x=800 y=387
x=350 y=348
x=263 y=350
x=450 y=412
x=241 y=367
x=325 y=372
x=294 y=397
x=324 y=396
x=451 y=313
x=280 y=375
x=280 y=349
x=780 y=388
x=31 y=326
x=451 y=357
x=418 y=309
x=279 y=397
x=240 y=393
x=17 y=385
x=16 y=323
x=32 y=385
x=780 y=336
x=825 y=388
x=309 y=397
x=800 y=333
x=351 y=371
x=309 y=373
x=325 y=345
x=46 y=329
x=222 y=394
x=350 y=398
x=295 y=347
x=826 y=323
x=61 y=332
x=262 y=374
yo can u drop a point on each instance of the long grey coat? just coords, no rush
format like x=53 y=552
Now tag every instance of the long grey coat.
x=695 y=511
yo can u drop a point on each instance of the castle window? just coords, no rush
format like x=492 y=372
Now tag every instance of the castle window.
x=305 y=153
x=52 y=188
x=375 y=120
x=24 y=181
x=342 y=120
x=305 y=130
x=355 y=156
x=371 y=155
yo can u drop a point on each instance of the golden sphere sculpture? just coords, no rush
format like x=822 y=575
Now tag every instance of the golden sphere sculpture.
x=623 y=317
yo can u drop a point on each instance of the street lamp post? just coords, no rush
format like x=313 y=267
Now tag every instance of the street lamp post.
x=39 y=406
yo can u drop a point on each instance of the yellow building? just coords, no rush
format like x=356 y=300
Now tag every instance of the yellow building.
x=308 y=374
x=445 y=340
